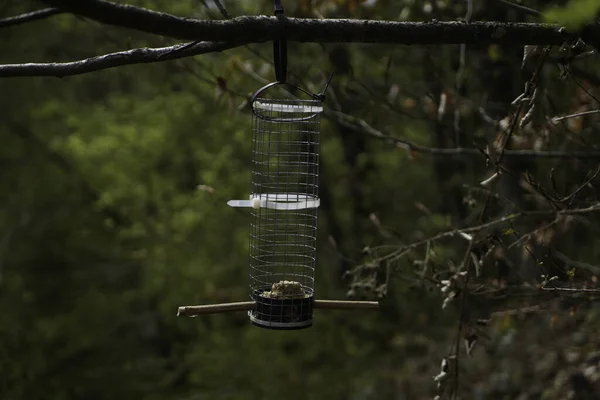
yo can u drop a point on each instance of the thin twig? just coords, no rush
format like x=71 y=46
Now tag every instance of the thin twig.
x=507 y=218
x=527 y=236
x=582 y=186
x=583 y=87
x=129 y=57
x=194 y=43
x=223 y=10
x=461 y=315
x=360 y=125
x=571 y=290
x=539 y=265
x=529 y=87
x=464 y=293
x=577 y=264
x=29 y=17
x=580 y=114
x=528 y=10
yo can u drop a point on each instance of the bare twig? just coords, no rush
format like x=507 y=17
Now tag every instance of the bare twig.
x=135 y=56
x=583 y=185
x=577 y=264
x=507 y=218
x=194 y=43
x=464 y=294
x=528 y=10
x=527 y=236
x=570 y=290
x=580 y=114
x=29 y=17
x=360 y=125
x=530 y=86
x=583 y=87
x=223 y=10
x=461 y=315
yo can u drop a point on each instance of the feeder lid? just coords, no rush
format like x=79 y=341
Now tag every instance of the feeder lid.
x=289 y=108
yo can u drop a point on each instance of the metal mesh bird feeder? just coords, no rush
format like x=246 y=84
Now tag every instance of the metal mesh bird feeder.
x=284 y=199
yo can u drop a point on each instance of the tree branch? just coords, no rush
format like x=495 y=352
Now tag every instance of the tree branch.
x=225 y=34
x=135 y=56
x=29 y=17
x=401 y=250
x=261 y=28
x=362 y=126
x=579 y=114
x=577 y=264
x=575 y=290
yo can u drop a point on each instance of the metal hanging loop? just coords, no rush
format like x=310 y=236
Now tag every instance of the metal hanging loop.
x=256 y=99
x=318 y=97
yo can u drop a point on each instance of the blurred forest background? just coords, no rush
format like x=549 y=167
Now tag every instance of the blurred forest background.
x=113 y=213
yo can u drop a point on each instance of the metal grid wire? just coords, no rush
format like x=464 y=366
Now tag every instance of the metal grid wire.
x=285 y=170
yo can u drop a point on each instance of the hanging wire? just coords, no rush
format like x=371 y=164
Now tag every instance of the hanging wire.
x=280 y=46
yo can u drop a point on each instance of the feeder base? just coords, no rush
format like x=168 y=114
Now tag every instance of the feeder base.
x=282 y=314
x=281 y=326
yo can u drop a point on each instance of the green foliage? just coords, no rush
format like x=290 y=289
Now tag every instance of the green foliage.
x=574 y=15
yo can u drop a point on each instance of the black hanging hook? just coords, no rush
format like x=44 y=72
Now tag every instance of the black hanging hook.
x=321 y=96
x=280 y=47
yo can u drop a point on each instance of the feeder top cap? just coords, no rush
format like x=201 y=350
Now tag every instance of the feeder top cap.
x=289 y=108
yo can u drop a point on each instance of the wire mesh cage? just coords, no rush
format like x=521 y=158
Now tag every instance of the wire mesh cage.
x=284 y=199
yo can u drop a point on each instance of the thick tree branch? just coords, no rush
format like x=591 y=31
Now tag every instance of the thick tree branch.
x=225 y=34
x=29 y=17
x=135 y=56
x=261 y=28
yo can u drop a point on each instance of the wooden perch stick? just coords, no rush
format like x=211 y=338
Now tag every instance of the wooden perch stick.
x=193 y=311
x=345 y=305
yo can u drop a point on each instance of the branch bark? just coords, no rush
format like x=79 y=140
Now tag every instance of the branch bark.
x=214 y=36
x=261 y=28
x=135 y=56
x=29 y=17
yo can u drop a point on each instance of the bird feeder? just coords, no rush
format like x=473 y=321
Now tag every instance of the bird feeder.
x=283 y=203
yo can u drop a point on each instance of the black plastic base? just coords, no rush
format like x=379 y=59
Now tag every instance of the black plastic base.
x=282 y=314
x=277 y=327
